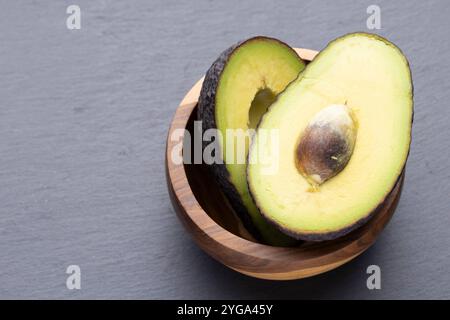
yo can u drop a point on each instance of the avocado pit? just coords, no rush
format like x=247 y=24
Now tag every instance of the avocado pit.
x=326 y=145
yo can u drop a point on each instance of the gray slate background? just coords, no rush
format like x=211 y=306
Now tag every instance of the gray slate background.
x=83 y=121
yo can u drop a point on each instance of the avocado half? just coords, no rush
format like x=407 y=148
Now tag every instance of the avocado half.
x=344 y=128
x=236 y=91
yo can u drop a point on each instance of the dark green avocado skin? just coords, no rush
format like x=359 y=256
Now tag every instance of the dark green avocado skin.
x=206 y=113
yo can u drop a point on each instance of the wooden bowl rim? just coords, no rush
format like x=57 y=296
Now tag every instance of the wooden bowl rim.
x=225 y=240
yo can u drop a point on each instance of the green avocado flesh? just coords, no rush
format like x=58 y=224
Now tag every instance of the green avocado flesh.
x=361 y=77
x=254 y=73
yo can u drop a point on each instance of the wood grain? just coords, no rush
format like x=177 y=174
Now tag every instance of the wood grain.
x=207 y=216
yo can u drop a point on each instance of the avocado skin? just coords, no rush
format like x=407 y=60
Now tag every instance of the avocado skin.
x=316 y=237
x=206 y=112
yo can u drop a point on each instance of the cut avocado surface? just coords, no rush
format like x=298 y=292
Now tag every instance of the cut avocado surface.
x=236 y=92
x=344 y=128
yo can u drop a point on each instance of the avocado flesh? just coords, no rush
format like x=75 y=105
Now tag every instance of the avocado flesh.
x=371 y=76
x=237 y=90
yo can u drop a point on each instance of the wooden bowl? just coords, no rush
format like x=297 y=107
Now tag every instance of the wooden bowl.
x=208 y=217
